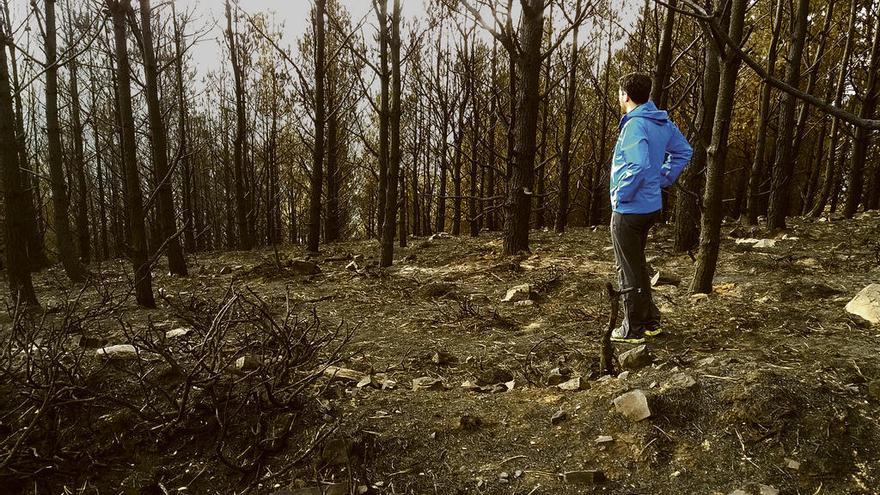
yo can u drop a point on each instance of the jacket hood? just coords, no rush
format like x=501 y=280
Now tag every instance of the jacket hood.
x=647 y=111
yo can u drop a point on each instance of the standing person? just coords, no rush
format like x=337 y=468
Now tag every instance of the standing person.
x=649 y=155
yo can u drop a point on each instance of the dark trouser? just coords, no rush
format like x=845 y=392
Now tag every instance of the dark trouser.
x=629 y=236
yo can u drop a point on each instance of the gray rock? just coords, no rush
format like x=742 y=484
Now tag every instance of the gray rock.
x=756 y=489
x=121 y=352
x=428 y=383
x=558 y=417
x=681 y=381
x=589 y=477
x=866 y=304
x=343 y=374
x=633 y=405
x=575 y=384
x=177 y=332
x=635 y=358
x=665 y=278
x=442 y=358
x=248 y=362
x=519 y=293
x=557 y=376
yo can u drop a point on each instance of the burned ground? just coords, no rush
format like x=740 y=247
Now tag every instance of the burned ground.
x=781 y=395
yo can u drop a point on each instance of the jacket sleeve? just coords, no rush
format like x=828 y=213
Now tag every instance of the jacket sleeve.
x=634 y=146
x=679 y=153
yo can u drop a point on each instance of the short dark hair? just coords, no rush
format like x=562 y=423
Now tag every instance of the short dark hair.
x=637 y=86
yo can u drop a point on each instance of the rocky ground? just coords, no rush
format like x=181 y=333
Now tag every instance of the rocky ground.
x=767 y=385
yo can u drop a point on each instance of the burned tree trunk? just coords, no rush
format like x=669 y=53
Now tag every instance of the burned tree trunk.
x=862 y=140
x=522 y=176
x=831 y=161
x=662 y=68
x=384 y=88
x=238 y=152
x=565 y=159
x=143 y=279
x=60 y=201
x=15 y=194
x=753 y=203
x=390 y=219
x=163 y=171
x=710 y=231
x=691 y=184
x=780 y=190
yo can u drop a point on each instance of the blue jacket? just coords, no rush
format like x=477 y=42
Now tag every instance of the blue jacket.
x=649 y=155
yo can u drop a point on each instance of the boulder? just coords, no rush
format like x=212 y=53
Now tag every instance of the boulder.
x=866 y=304
x=633 y=405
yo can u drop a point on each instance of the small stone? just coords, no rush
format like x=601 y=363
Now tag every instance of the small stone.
x=369 y=381
x=120 y=351
x=602 y=439
x=428 y=383
x=635 y=358
x=343 y=374
x=866 y=304
x=558 y=417
x=518 y=293
x=557 y=376
x=747 y=241
x=248 y=362
x=633 y=405
x=503 y=477
x=792 y=464
x=706 y=362
x=665 y=278
x=590 y=477
x=442 y=358
x=177 y=332
x=518 y=473
x=574 y=384
x=680 y=381
x=623 y=376
x=765 y=244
